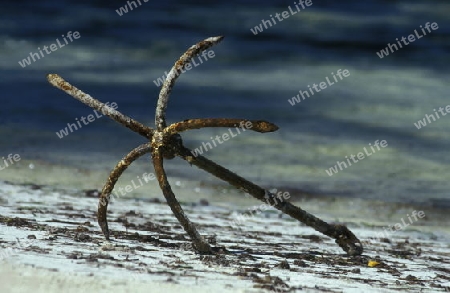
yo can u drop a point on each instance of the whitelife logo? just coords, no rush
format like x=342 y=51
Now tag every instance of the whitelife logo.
x=160 y=80
x=129 y=187
x=36 y=56
x=296 y=99
x=124 y=9
x=206 y=146
x=400 y=226
x=423 y=122
x=11 y=159
x=90 y=118
x=411 y=38
x=360 y=155
x=281 y=196
x=284 y=15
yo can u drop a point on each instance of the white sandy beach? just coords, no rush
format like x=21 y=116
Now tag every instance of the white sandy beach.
x=50 y=240
x=21 y=279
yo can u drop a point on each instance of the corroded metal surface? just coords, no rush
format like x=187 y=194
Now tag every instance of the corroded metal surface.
x=166 y=143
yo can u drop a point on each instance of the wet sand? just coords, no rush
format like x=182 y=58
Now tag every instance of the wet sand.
x=52 y=234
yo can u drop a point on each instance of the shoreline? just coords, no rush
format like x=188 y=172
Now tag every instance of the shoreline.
x=365 y=212
x=189 y=190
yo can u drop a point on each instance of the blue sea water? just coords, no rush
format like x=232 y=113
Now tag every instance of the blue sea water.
x=117 y=58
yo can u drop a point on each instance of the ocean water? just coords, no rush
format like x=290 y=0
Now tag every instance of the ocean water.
x=118 y=58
